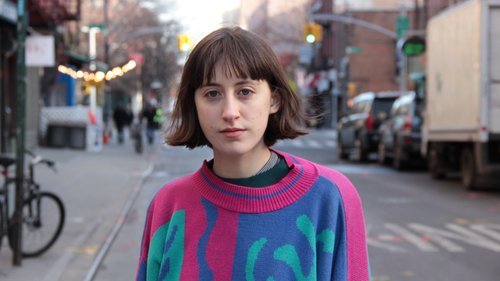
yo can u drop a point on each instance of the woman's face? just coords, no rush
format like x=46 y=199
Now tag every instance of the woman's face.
x=233 y=113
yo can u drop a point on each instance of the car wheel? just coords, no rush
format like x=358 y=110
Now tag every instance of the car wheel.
x=469 y=171
x=360 y=153
x=397 y=162
x=435 y=164
x=341 y=154
x=381 y=155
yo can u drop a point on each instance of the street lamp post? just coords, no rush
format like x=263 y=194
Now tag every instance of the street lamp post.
x=92 y=30
x=92 y=55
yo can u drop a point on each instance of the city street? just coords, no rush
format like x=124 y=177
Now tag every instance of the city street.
x=403 y=96
x=418 y=228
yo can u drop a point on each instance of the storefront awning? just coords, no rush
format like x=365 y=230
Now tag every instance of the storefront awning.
x=78 y=60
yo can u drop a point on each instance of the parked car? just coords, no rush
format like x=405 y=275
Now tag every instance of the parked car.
x=357 y=132
x=400 y=134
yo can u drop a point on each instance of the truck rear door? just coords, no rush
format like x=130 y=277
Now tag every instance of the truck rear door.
x=494 y=66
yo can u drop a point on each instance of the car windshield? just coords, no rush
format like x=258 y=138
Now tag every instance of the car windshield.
x=382 y=105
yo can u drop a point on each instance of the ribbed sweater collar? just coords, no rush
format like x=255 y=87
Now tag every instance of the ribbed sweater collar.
x=257 y=200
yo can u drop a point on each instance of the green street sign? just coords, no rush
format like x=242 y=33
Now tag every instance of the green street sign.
x=402 y=25
x=97 y=25
x=352 y=50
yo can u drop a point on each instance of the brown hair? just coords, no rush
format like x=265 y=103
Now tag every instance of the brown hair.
x=243 y=54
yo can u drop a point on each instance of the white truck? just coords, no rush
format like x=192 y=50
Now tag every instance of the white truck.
x=461 y=131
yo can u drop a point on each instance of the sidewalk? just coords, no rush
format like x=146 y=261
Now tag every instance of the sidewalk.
x=95 y=188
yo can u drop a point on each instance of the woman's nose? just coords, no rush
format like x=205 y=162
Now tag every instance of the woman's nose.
x=230 y=111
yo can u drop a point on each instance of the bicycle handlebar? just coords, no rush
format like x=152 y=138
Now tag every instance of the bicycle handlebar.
x=38 y=159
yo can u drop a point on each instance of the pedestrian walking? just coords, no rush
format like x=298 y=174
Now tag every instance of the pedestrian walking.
x=122 y=118
x=251 y=212
x=152 y=114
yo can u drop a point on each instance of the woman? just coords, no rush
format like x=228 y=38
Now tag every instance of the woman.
x=252 y=212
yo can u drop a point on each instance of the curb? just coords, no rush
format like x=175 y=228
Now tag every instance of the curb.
x=110 y=238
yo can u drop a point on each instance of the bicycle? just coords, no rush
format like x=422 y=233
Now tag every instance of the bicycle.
x=43 y=212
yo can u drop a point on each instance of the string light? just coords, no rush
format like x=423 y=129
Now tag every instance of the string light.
x=99 y=75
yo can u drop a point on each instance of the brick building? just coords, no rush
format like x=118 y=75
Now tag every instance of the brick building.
x=374 y=66
x=365 y=59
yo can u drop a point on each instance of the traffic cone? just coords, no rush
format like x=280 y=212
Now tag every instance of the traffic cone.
x=105 y=137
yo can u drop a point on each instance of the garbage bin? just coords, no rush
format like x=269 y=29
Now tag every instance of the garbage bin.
x=57 y=135
x=77 y=137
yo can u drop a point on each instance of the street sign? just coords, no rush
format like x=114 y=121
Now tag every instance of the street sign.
x=97 y=25
x=402 y=26
x=306 y=54
x=352 y=50
x=40 y=51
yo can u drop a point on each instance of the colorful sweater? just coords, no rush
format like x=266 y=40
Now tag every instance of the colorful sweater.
x=308 y=226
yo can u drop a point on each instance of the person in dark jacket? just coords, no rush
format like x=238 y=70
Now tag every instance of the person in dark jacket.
x=152 y=114
x=122 y=118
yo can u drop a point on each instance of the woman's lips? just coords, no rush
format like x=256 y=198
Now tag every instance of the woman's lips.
x=232 y=132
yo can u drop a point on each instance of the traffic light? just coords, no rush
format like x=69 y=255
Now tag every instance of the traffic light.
x=413 y=46
x=313 y=32
x=184 y=42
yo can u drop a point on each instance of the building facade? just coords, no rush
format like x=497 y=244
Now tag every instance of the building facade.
x=46 y=18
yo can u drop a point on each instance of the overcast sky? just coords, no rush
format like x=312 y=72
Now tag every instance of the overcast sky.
x=200 y=17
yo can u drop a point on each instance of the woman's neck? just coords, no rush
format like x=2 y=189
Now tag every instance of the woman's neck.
x=242 y=166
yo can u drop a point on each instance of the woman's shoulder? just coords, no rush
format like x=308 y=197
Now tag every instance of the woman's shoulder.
x=337 y=179
x=175 y=187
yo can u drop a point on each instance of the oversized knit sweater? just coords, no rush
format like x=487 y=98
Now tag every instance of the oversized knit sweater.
x=308 y=226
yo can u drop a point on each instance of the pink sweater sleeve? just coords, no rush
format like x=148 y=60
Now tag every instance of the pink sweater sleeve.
x=357 y=253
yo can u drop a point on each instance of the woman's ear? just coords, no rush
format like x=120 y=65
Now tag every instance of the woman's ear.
x=275 y=102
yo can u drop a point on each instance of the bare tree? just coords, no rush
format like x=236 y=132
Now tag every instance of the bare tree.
x=135 y=31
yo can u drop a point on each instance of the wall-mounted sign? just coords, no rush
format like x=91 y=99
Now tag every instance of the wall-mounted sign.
x=40 y=51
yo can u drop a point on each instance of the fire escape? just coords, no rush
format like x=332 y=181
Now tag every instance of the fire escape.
x=53 y=12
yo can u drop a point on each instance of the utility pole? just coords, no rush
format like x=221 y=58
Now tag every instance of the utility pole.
x=92 y=55
x=107 y=94
x=403 y=22
x=20 y=129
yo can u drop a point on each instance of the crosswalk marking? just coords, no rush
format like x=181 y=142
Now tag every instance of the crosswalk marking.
x=330 y=143
x=307 y=143
x=362 y=169
x=314 y=144
x=297 y=143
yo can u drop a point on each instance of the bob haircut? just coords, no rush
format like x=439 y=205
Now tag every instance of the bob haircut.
x=245 y=55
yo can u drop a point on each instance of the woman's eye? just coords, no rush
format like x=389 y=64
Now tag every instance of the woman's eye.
x=246 y=92
x=212 y=94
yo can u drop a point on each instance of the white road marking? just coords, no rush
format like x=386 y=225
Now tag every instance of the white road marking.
x=487 y=230
x=451 y=237
x=362 y=169
x=385 y=246
x=411 y=237
x=314 y=144
x=330 y=143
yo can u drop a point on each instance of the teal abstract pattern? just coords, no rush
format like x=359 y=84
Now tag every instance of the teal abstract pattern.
x=288 y=253
x=166 y=251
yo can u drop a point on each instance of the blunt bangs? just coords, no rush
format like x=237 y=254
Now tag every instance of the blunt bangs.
x=240 y=56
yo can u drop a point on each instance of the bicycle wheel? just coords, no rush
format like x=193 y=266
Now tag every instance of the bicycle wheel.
x=42 y=222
